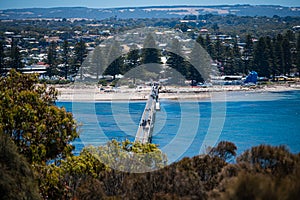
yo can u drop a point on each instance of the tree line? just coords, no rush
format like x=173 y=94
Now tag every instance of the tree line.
x=268 y=56
x=146 y=63
x=64 y=63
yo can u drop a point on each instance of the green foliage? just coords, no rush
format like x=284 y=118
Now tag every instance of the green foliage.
x=115 y=60
x=225 y=150
x=53 y=82
x=16 y=57
x=114 y=83
x=276 y=160
x=287 y=57
x=102 y=82
x=97 y=164
x=263 y=186
x=52 y=60
x=199 y=65
x=177 y=62
x=263 y=172
x=261 y=58
x=65 y=59
x=98 y=62
x=80 y=55
x=61 y=182
x=16 y=176
x=29 y=116
x=94 y=174
x=151 y=54
x=132 y=59
x=130 y=157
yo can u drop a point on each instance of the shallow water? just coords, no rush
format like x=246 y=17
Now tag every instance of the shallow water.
x=188 y=128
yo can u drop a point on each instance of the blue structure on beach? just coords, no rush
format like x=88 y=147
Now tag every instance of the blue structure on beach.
x=251 y=78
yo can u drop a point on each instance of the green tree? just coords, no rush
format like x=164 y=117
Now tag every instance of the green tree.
x=278 y=54
x=228 y=62
x=199 y=64
x=98 y=62
x=263 y=172
x=65 y=58
x=237 y=61
x=99 y=165
x=271 y=56
x=201 y=41
x=17 y=179
x=176 y=61
x=209 y=47
x=28 y=114
x=225 y=150
x=62 y=182
x=115 y=60
x=250 y=186
x=216 y=28
x=52 y=59
x=132 y=64
x=247 y=55
x=132 y=59
x=268 y=159
x=80 y=55
x=130 y=157
x=218 y=49
x=287 y=56
x=261 y=60
x=290 y=35
x=15 y=56
x=151 y=54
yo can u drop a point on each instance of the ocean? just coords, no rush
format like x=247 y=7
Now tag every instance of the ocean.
x=188 y=128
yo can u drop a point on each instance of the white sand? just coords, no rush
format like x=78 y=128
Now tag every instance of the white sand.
x=80 y=92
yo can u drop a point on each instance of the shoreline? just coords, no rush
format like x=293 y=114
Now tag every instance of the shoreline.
x=92 y=93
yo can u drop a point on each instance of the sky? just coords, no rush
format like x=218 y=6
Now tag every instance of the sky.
x=8 y=4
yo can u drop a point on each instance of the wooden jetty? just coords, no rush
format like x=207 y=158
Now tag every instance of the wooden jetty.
x=145 y=129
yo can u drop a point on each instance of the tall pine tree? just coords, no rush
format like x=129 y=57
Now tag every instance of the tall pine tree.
x=209 y=47
x=237 y=62
x=271 y=56
x=80 y=55
x=132 y=59
x=15 y=56
x=115 y=60
x=65 y=58
x=132 y=67
x=151 y=55
x=98 y=62
x=52 y=60
x=176 y=61
x=278 y=54
x=247 y=54
x=199 y=64
x=260 y=60
x=287 y=56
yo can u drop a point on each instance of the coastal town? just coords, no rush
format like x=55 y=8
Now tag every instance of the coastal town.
x=57 y=49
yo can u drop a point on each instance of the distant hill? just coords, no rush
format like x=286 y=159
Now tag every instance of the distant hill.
x=149 y=12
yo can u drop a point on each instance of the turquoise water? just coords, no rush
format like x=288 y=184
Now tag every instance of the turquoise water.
x=187 y=128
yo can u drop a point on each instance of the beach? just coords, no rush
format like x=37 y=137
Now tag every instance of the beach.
x=89 y=92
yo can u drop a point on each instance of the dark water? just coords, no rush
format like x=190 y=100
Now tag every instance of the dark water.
x=188 y=128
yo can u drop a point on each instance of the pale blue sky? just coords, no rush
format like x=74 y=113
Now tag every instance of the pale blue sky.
x=6 y=4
